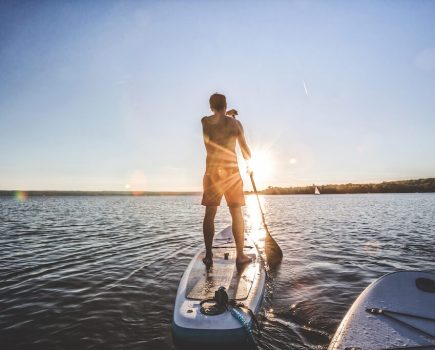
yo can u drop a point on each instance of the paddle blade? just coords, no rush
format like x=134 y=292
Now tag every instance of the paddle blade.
x=272 y=251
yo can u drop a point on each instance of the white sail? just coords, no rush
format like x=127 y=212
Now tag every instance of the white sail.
x=316 y=191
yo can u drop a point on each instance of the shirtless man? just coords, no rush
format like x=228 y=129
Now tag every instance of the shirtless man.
x=222 y=178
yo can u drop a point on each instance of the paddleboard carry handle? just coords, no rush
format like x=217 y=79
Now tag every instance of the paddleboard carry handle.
x=425 y=284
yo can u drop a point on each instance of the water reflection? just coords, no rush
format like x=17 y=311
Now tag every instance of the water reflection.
x=253 y=221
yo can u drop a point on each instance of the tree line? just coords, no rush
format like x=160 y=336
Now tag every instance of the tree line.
x=405 y=186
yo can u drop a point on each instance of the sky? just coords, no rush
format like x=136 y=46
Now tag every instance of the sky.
x=108 y=95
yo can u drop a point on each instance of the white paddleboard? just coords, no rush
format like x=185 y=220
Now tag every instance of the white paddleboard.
x=395 y=311
x=190 y=327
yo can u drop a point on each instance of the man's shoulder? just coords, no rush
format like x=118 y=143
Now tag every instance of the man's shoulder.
x=204 y=119
x=238 y=124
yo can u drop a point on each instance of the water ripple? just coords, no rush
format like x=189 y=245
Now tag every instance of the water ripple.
x=102 y=272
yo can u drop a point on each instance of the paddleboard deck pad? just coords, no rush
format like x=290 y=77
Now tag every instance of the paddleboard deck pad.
x=193 y=329
x=395 y=311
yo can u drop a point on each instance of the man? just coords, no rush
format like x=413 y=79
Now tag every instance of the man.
x=222 y=178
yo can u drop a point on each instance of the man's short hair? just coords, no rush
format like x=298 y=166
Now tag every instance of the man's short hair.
x=218 y=102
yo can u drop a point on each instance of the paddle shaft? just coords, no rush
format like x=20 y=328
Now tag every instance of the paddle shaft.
x=272 y=249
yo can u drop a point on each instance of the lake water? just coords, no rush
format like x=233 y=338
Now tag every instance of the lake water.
x=102 y=272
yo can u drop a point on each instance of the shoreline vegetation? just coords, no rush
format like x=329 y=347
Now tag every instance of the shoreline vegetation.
x=405 y=186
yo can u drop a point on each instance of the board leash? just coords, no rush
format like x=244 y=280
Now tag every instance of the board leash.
x=221 y=303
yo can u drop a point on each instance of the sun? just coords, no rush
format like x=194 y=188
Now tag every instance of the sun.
x=262 y=164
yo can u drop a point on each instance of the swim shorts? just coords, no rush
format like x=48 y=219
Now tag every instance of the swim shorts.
x=220 y=183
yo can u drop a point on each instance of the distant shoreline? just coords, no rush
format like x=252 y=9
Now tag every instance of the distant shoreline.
x=7 y=193
x=406 y=186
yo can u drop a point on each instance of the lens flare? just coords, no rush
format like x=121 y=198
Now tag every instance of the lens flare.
x=137 y=183
x=20 y=196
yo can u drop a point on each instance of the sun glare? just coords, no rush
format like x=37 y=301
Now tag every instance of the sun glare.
x=261 y=163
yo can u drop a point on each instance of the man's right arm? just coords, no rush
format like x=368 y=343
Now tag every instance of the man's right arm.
x=204 y=134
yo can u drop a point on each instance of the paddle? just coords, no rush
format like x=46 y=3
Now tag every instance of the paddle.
x=271 y=248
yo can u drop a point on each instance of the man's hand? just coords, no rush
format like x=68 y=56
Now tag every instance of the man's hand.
x=232 y=113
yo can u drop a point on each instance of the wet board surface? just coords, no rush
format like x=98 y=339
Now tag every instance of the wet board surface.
x=203 y=283
x=242 y=281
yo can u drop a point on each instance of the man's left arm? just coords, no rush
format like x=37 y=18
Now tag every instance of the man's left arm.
x=246 y=152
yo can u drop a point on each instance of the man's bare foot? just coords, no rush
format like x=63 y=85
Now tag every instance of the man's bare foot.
x=208 y=261
x=244 y=259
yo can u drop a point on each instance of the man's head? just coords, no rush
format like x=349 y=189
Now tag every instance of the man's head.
x=218 y=102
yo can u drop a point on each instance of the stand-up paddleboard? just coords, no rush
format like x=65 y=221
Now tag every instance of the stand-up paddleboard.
x=395 y=311
x=192 y=327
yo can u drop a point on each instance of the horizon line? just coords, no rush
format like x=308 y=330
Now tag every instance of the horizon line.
x=181 y=192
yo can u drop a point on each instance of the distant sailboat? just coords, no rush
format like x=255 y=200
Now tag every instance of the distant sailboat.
x=316 y=191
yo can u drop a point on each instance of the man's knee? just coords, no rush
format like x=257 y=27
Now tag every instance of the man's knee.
x=210 y=212
x=236 y=212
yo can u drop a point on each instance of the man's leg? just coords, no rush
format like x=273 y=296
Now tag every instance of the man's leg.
x=238 y=227
x=208 y=231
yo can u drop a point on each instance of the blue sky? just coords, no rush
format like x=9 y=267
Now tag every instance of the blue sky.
x=108 y=95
